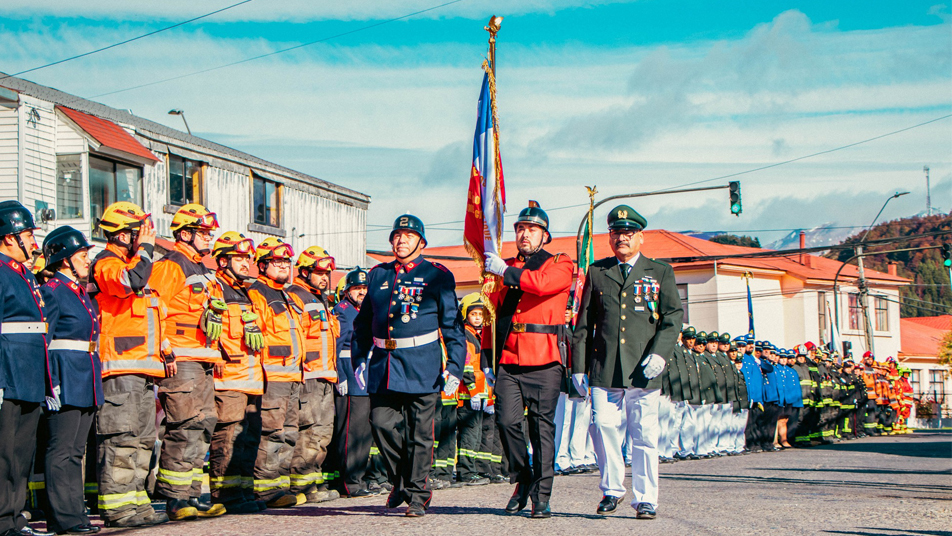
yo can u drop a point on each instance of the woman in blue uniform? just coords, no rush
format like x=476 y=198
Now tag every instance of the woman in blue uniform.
x=76 y=374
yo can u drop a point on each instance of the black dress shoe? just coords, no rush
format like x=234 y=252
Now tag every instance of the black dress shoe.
x=416 y=510
x=395 y=499
x=83 y=529
x=645 y=511
x=30 y=531
x=519 y=499
x=362 y=492
x=608 y=505
x=541 y=510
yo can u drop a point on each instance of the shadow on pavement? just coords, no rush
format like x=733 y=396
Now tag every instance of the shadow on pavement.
x=765 y=480
x=890 y=532
x=869 y=470
x=377 y=510
x=931 y=446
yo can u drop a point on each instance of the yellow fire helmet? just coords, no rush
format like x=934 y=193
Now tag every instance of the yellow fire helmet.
x=273 y=248
x=194 y=216
x=469 y=301
x=122 y=216
x=39 y=264
x=316 y=258
x=233 y=243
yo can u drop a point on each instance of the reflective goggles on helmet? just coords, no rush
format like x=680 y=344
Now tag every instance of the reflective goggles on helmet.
x=281 y=251
x=321 y=264
x=207 y=221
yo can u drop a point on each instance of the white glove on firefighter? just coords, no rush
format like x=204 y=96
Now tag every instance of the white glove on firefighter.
x=580 y=380
x=489 y=410
x=341 y=386
x=360 y=373
x=1 y=398
x=490 y=377
x=654 y=366
x=450 y=384
x=53 y=403
x=475 y=403
x=495 y=264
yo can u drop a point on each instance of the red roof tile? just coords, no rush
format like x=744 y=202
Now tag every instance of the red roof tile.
x=943 y=322
x=661 y=244
x=108 y=133
x=918 y=338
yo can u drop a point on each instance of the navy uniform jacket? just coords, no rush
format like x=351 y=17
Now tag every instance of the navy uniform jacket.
x=392 y=289
x=773 y=386
x=72 y=317
x=24 y=367
x=346 y=313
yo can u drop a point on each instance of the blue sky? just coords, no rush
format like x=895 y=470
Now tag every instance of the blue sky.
x=630 y=96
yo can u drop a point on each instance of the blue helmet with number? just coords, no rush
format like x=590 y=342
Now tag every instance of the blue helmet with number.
x=409 y=222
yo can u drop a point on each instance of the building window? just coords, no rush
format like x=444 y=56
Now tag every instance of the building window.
x=856 y=312
x=915 y=382
x=882 y=313
x=69 y=186
x=111 y=181
x=683 y=294
x=821 y=315
x=185 y=181
x=937 y=384
x=267 y=202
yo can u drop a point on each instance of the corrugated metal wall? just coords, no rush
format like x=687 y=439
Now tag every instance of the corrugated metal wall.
x=337 y=227
x=228 y=194
x=9 y=154
x=38 y=155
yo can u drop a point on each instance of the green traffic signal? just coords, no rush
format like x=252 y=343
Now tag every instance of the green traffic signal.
x=736 y=206
x=947 y=263
x=946 y=250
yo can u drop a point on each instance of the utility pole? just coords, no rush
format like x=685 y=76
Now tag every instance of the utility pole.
x=928 y=192
x=863 y=297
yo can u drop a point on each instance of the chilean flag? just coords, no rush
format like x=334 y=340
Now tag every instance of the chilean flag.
x=486 y=198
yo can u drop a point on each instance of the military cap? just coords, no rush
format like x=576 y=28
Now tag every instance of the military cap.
x=625 y=217
x=733 y=348
x=701 y=338
x=849 y=363
x=688 y=332
x=758 y=345
x=712 y=336
x=741 y=341
x=739 y=359
x=724 y=338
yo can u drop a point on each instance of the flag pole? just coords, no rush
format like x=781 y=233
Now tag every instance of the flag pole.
x=489 y=280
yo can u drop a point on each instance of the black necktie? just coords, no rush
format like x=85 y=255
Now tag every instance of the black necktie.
x=625 y=268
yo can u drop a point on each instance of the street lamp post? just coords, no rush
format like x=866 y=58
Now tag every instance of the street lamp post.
x=181 y=113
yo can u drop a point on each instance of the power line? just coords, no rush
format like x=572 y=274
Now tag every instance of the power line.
x=114 y=45
x=276 y=52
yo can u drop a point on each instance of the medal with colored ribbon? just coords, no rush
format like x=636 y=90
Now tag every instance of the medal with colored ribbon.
x=653 y=299
x=405 y=312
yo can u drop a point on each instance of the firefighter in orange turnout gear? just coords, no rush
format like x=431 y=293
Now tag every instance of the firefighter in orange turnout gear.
x=472 y=394
x=280 y=313
x=316 y=408
x=239 y=383
x=193 y=326
x=131 y=317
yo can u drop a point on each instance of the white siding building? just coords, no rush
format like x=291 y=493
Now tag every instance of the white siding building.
x=76 y=157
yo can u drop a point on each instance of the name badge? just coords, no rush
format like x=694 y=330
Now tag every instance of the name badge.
x=639 y=308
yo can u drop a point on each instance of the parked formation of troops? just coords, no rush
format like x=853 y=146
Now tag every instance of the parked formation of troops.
x=258 y=376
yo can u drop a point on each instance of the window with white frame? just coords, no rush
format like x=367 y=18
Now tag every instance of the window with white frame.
x=69 y=186
x=882 y=313
x=111 y=181
x=185 y=181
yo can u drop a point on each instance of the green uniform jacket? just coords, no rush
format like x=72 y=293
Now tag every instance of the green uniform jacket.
x=730 y=376
x=614 y=333
x=742 y=401
x=692 y=381
x=710 y=391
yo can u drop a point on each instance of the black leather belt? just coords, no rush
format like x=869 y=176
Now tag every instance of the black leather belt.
x=519 y=327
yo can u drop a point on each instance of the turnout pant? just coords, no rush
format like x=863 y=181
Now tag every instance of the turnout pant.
x=353 y=439
x=188 y=399
x=869 y=419
x=315 y=428
x=529 y=394
x=803 y=432
x=18 y=424
x=125 y=430
x=444 y=440
x=469 y=422
x=402 y=426
x=278 y=422
x=68 y=431
x=490 y=450
x=632 y=414
x=234 y=447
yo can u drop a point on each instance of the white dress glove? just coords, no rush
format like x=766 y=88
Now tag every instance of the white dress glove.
x=489 y=410
x=580 y=380
x=495 y=265
x=1 y=398
x=53 y=403
x=654 y=366
x=490 y=377
x=360 y=374
x=450 y=384
x=475 y=403
x=342 y=386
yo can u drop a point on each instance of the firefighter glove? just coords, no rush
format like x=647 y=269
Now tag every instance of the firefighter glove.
x=53 y=402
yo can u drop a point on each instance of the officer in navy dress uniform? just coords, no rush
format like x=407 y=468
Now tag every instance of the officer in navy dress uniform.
x=627 y=327
x=409 y=309
x=24 y=365
x=352 y=434
x=76 y=374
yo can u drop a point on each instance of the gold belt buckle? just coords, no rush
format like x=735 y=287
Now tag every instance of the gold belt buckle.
x=390 y=344
x=92 y=347
x=518 y=327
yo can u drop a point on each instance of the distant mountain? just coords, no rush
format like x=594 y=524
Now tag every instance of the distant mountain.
x=828 y=234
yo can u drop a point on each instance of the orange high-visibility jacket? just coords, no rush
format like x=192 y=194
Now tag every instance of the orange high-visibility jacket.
x=321 y=330
x=474 y=380
x=185 y=286
x=131 y=315
x=280 y=313
x=243 y=371
x=882 y=390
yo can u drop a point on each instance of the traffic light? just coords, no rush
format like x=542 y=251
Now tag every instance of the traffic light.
x=947 y=255
x=736 y=206
x=847 y=349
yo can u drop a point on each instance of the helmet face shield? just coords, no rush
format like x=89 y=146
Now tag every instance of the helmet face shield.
x=208 y=221
x=281 y=251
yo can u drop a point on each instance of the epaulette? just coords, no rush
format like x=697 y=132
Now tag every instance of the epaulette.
x=440 y=266
x=378 y=265
x=560 y=256
x=343 y=304
x=53 y=283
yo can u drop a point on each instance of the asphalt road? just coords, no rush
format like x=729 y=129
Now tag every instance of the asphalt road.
x=899 y=485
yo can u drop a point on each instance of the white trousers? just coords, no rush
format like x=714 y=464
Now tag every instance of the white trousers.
x=672 y=447
x=573 y=417
x=666 y=423
x=688 y=434
x=740 y=425
x=725 y=438
x=631 y=413
x=706 y=438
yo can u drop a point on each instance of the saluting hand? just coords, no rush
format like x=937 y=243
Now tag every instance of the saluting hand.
x=495 y=265
x=146 y=233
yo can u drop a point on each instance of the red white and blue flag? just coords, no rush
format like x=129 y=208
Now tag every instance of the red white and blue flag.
x=486 y=198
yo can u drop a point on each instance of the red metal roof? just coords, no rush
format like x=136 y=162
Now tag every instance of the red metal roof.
x=108 y=133
x=661 y=244
x=921 y=336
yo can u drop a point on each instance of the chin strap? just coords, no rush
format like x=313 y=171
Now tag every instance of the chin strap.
x=26 y=255
x=411 y=254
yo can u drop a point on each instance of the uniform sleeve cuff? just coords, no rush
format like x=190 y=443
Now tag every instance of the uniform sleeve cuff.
x=148 y=248
x=511 y=276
